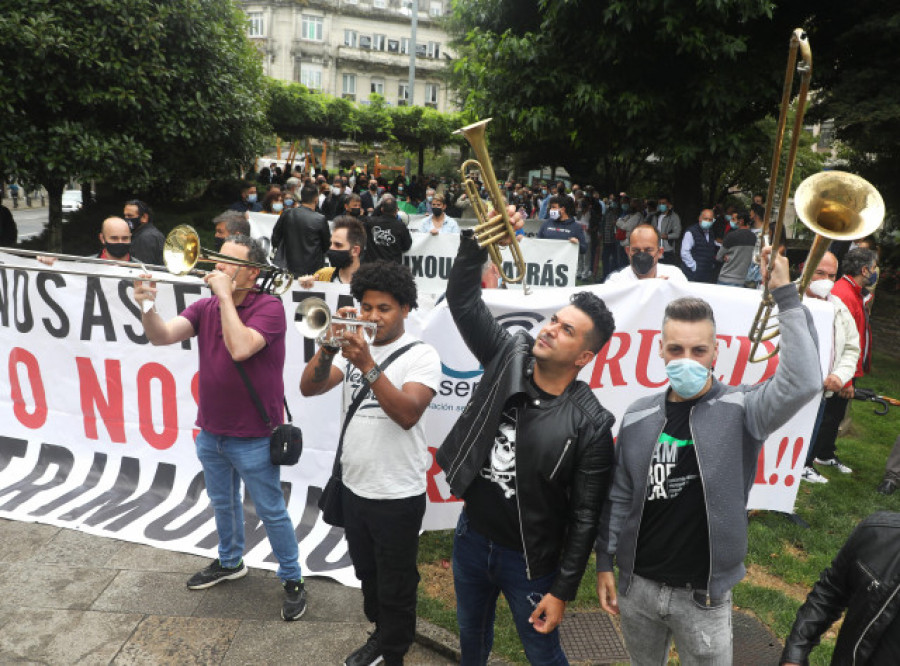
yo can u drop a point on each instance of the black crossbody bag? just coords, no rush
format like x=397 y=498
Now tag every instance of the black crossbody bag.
x=286 y=440
x=330 y=502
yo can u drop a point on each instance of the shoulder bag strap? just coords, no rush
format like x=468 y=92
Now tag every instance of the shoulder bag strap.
x=256 y=401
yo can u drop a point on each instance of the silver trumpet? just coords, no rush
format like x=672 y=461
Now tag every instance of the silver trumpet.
x=313 y=319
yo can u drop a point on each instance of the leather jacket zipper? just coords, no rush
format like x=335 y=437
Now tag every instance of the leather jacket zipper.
x=518 y=492
x=874 y=583
x=705 y=505
x=561 y=457
x=872 y=621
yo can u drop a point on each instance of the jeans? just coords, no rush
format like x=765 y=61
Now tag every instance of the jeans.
x=653 y=614
x=825 y=443
x=383 y=540
x=226 y=462
x=483 y=569
x=610 y=258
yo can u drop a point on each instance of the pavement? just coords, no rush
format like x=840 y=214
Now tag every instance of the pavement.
x=67 y=597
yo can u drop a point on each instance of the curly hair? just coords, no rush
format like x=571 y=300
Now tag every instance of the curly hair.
x=857 y=259
x=604 y=324
x=387 y=276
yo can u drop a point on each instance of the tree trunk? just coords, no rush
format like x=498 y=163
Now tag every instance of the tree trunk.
x=54 y=223
x=687 y=192
x=87 y=197
x=421 y=170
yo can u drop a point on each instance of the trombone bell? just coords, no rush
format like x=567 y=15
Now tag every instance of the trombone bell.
x=839 y=205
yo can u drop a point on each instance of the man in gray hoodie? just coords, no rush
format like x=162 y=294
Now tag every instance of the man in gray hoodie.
x=676 y=519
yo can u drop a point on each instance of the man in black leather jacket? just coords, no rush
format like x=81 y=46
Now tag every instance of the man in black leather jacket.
x=531 y=456
x=301 y=236
x=864 y=579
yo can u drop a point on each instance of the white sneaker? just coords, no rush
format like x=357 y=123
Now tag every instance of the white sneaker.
x=810 y=474
x=834 y=462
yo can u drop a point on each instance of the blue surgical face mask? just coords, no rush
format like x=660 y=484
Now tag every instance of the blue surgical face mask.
x=251 y=198
x=277 y=206
x=288 y=203
x=873 y=277
x=553 y=213
x=662 y=208
x=706 y=224
x=687 y=377
x=728 y=218
x=734 y=224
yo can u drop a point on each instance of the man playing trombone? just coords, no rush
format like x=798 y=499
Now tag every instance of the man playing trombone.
x=236 y=325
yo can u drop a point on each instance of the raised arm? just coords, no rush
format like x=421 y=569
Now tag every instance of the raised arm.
x=157 y=330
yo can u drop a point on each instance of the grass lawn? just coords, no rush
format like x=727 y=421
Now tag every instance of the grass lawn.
x=784 y=560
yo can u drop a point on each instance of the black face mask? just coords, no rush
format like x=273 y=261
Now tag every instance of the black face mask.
x=354 y=212
x=339 y=258
x=117 y=250
x=642 y=263
x=133 y=222
x=437 y=212
x=218 y=243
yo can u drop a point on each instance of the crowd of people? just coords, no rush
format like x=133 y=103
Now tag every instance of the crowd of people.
x=532 y=454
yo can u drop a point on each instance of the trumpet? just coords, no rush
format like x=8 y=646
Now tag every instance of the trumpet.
x=313 y=319
x=490 y=230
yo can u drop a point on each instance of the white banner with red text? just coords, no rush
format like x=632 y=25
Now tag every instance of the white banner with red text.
x=98 y=426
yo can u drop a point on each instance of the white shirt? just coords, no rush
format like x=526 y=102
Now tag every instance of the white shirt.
x=381 y=460
x=665 y=271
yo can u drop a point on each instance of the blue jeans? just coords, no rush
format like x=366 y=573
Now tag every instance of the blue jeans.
x=226 y=462
x=653 y=614
x=481 y=570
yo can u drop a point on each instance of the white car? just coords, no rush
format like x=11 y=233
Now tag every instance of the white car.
x=71 y=201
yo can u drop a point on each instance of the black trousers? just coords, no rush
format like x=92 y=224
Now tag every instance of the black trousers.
x=383 y=539
x=824 y=446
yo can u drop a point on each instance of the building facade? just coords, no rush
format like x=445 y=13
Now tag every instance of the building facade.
x=351 y=48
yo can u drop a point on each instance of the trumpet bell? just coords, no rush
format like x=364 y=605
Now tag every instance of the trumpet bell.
x=839 y=205
x=312 y=317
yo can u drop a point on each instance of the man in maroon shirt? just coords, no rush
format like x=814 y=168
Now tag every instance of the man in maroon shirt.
x=236 y=325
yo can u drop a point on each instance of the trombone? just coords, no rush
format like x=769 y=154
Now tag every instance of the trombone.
x=313 y=319
x=181 y=254
x=490 y=230
x=833 y=204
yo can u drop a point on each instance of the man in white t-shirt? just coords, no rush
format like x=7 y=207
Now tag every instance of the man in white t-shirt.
x=385 y=457
x=644 y=252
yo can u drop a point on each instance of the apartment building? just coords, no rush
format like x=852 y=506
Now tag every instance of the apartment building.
x=351 y=48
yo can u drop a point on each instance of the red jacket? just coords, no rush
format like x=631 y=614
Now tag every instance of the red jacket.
x=850 y=294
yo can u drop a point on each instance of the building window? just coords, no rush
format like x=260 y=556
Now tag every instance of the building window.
x=378 y=42
x=311 y=27
x=350 y=38
x=255 y=25
x=431 y=94
x=379 y=4
x=393 y=46
x=311 y=76
x=403 y=94
x=377 y=87
x=436 y=8
x=365 y=41
x=421 y=50
x=434 y=49
x=404 y=45
x=348 y=88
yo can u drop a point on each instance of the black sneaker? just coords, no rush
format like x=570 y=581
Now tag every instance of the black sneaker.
x=368 y=654
x=294 y=601
x=214 y=574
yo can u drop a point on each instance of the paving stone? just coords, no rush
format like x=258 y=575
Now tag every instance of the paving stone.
x=301 y=642
x=7 y=613
x=150 y=593
x=179 y=640
x=65 y=636
x=138 y=557
x=329 y=601
x=254 y=598
x=31 y=585
x=76 y=548
x=22 y=541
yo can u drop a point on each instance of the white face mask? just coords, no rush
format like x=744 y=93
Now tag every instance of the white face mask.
x=554 y=214
x=335 y=189
x=821 y=288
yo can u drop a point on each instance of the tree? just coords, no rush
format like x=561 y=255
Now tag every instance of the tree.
x=599 y=87
x=141 y=93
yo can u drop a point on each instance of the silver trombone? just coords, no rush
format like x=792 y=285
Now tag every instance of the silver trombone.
x=313 y=319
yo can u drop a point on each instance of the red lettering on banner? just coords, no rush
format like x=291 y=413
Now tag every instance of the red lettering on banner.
x=110 y=405
x=761 y=468
x=614 y=362
x=740 y=363
x=773 y=478
x=434 y=493
x=169 y=434
x=195 y=391
x=643 y=360
x=38 y=416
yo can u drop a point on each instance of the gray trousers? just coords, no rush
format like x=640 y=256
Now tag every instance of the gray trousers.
x=892 y=468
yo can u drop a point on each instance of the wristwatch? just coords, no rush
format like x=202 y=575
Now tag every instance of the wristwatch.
x=373 y=374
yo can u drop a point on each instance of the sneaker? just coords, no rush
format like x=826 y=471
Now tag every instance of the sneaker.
x=887 y=487
x=812 y=475
x=368 y=654
x=214 y=574
x=834 y=462
x=294 y=600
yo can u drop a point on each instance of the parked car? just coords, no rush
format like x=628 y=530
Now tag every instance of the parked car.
x=71 y=201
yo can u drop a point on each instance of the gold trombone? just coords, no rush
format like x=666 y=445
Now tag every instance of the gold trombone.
x=490 y=230
x=832 y=204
